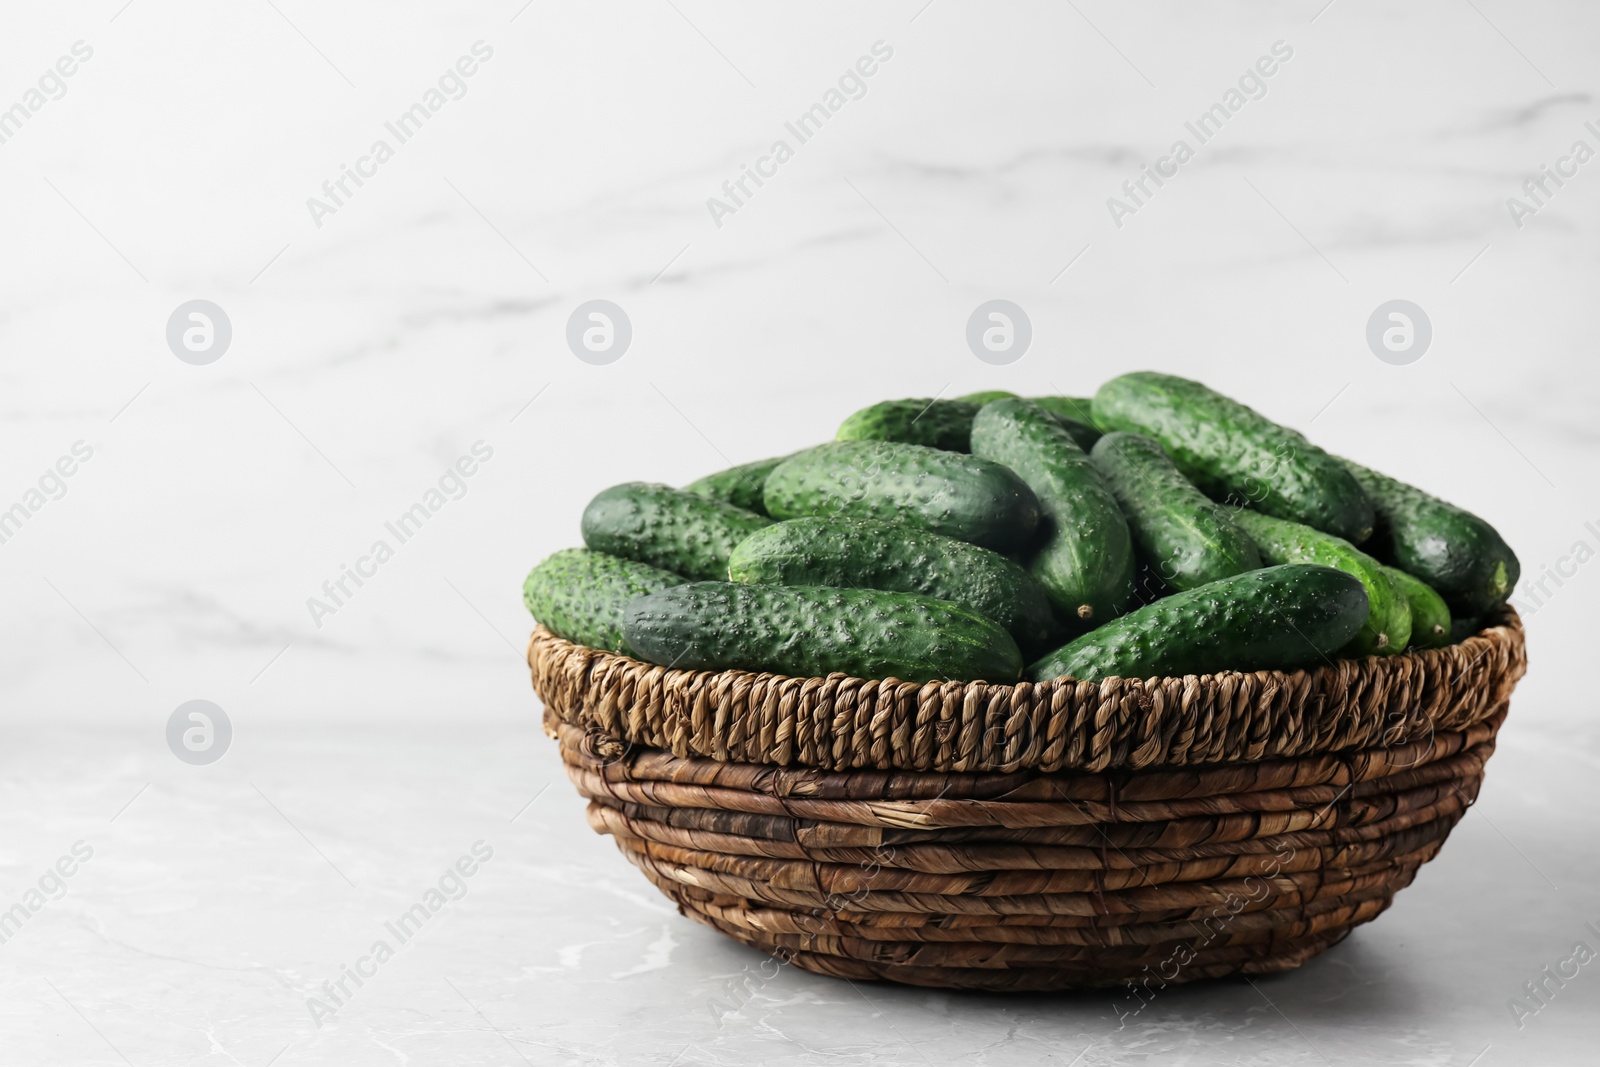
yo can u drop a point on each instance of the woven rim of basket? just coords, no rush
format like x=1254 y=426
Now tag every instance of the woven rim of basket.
x=844 y=723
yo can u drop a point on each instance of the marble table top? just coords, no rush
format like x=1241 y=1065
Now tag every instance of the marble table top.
x=217 y=902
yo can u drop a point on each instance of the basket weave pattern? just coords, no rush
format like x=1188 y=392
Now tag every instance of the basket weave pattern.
x=1033 y=836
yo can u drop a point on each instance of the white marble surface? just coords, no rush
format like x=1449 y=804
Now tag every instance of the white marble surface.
x=428 y=311
x=219 y=901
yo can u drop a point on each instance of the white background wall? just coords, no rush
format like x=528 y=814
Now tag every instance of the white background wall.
x=977 y=165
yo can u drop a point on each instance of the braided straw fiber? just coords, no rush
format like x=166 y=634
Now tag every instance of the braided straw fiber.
x=1032 y=836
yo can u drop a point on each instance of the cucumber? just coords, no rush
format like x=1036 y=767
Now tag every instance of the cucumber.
x=1232 y=451
x=960 y=496
x=1079 y=408
x=1276 y=618
x=1076 y=414
x=1462 y=557
x=579 y=595
x=1187 y=537
x=897 y=558
x=1430 y=616
x=1463 y=627
x=987 y=396
x=740 y=486
x=812 y=631
x=1085 y=559
x=943 y=424
x=947 y=424
x=667 y=528
x=1388 y=624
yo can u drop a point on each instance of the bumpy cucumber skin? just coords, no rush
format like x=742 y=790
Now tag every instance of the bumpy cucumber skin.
x=1076 y=413
x=1080 y=408
x=1190 y=539
x=1430 y=615
x=1460 y=556
x=578 y=594
x=945 y=424
x=741 y=486
x=1085 y=558
x=897 y=558
x=667 y=528
x=1277 y=618
x=960 y=496
x=811 y=631
x=1230 y=450
x=1388 y=624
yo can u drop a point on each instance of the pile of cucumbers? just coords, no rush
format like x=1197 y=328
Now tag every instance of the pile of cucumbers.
x=1158 y=528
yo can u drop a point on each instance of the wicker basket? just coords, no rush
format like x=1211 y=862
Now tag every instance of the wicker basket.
x=1032 y=836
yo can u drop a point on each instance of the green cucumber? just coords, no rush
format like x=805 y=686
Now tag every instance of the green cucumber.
x=1076 y=414
x=1079 y=408
x=578 y=595
x=1463 y=627
x=1233 y=451
x=1388 y=624
x=960 y=496
x=987 y=396
x=1190 y=539
x=945 y=424
x=667 y=528
x=1430 y=615
x=1462 y=557
x=740 y=486
x=896 y=558
x=1277 y=618
x=1085 y=559
x=813 y=631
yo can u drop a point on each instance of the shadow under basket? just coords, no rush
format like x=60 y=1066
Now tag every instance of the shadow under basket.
x=1035 y=836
